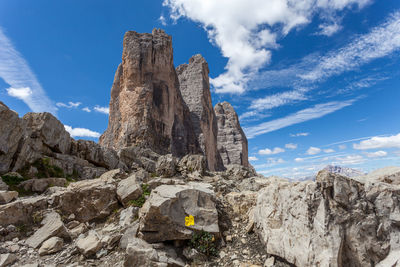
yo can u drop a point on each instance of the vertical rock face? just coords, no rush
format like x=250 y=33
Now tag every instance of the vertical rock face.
x=195 y=88
x=146 y=107
x=232 y=142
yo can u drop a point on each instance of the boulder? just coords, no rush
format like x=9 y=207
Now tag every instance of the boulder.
x=140 y=253
x=3 y=185
x=192 y=163
x=7 y=196
x=239 y=172
x=146 y=107
x=162 y=217
x=87 y=200
x=7 y=259
x=128 y=216
x=231 y=140
x=21 y=211
x=88 y=246
x=128 y=189
x=10 y=135
x=51 y=245
x=166 y=166
x=195 y=88
x=335 y=221
x=241 y=202
x=51 y=226
x=40 y=185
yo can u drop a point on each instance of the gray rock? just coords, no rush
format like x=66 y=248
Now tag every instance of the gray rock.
x=162 y=217
x=10 y=135
x=21 y=211
x=140 y=253
x=166 y=166
x=40 y=185
x=51 y=245
x=89 y=245
x=51 y=226
x=128 y=216
x=195 y=88
x=128 y=189
x=129 y=235
x=335 y=221
x=192 y=163
x=7 y=259
x=3 y=185
x=7 y=196
x=232 y=142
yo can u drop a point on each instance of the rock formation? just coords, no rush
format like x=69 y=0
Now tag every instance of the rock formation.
x=146 y=106
x=195 y=88
x=232 y=142
x=335 y=221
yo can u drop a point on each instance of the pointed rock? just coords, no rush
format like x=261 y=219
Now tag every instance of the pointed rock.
x=232 y=142
x=146 y=107
x=195 y=88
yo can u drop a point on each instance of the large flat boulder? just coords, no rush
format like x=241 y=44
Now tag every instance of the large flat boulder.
x=335 y=221
x=163 y=214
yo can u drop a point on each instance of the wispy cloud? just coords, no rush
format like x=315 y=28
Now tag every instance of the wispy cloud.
x=299 y=134
x=315 y=112
x=15 y=71
x=253 y=158
x=377 y=142
x=376 y=154
x=291 y=146
x=268 y=151
x=313 y=150
x=247 y=31
x=81 y=132
x=277 y=100
x=87 y=109
x=104 y=110
x=68 y=105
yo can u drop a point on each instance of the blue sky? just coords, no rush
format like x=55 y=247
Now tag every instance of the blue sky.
x=315 y=82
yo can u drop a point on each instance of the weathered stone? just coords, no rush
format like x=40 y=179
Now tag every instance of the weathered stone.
x=10 y=135
x=3 y=185
x=166 y=166
x=51 y=245
x=195 y=88
x=239 y=172
x=140 y=253
x=241 y=202
x=40 y=185
x=7 y=196
x=146 y=107
x=7 y=259
x=21 y=211
x=192 y=163
x=51 y=226
x=90 y=199
x=129 y=235
x=89 y=245
x=335 y=221
x=232 y=142
x=78 y=230
x=128 y=189
x=128 y=215
x=163 y=214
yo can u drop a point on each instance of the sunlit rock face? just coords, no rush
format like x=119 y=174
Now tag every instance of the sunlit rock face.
x=146 y=107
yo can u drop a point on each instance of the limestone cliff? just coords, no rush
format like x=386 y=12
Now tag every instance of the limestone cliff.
x=195 y=89
x=146 y=107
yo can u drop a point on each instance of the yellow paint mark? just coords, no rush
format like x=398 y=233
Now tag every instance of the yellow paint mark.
x=189 y=220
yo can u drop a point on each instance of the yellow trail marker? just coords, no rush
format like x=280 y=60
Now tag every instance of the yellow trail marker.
x=189 y=220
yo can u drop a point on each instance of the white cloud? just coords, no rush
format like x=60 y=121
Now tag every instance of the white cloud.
x=313 y=150
x=268 y=151
x=87 y=109
x=377 y=142
x=246 y=31
x=315 y=112
x=277 y=100
x=329 y=150
x=329 y=29
x=253 y=115
x=253 y=158
x=342 y=147
x=81 y=132
x=162 y=20
x=104 y=110
x=291 y=146
x=23 y=93
x=381 y=41
x=299 y=134
x=69 y=105
x=299 y=159
x=376 y=154
x=15 y=71
x=275 y=161
x=351 y=159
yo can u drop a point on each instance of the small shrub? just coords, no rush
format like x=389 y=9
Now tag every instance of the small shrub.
x=204 y=242
x=139 y=202
x=12 y=180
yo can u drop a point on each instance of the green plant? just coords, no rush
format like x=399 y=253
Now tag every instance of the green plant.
x=44 y=169
x=142 y=199
x=12 y=179
x=153 y=175
x=204 y=242
x=37 y=217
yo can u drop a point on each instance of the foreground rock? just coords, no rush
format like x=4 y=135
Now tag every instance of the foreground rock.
x=335 y=221
x=146 y=106
x=7 y=196
x=195 y=88
x=232 y=142
x=163 y=215
x=51 y=245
